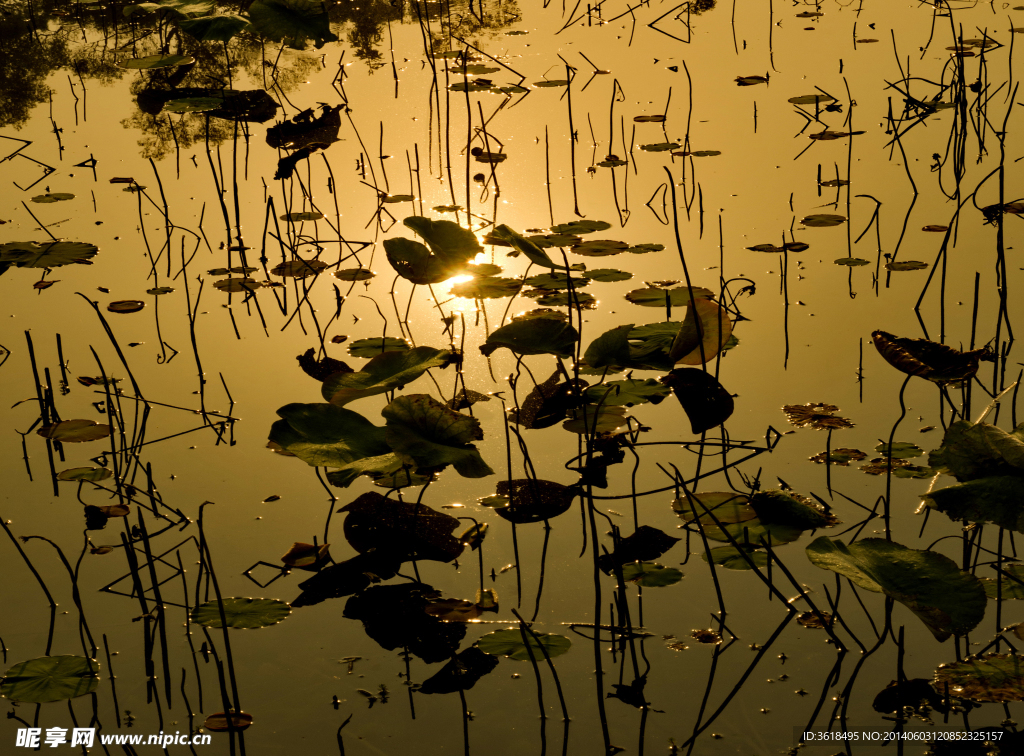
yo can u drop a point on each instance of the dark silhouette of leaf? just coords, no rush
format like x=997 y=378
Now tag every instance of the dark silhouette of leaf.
x=461 y=673
x=534 y=500
x=323 y=368
x=704 y=400
x=348 y=577
x=393 y=616
x=928 y=359
x=947 y=599
x=405 y=530
x=914 y=693
x=539 y=336
x=646 y=544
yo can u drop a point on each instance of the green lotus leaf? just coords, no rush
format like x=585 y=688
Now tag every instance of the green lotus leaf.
x=780 y=508
x=241 y=613
x=85 y=473
x=698 y=342
x=323 y=435
x=998 y=499
x=628 y=392
x=510 y=643
x=948 y=600
x=385 y=372
x=660 y=146
x=993 y=678
x=446 y=239
x=1009 y=587
x=292 y=21
x=534 y=253
x=50 y=254
x=50 y=678
x=591 y=420
x=651 y=575
x=581 y=227
x=556 y=281
x=372 y=347
x=563 y=299
x=425 y=433
x=376 y=467
x=218 y=28
x=51 y=197
x=899 y=450
x=972 y=451
x=541 y=336
x=607 y=275
x=74 y=431
x=487 y=287
x=730 y=558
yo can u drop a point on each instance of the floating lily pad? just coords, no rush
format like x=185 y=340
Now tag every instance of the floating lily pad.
x=236 y=285
x=224 y=722
x=852 y=262
x=354 y=274
x=579 y=227
x=823 y=220
x=306 y=216
x=552 y=83
x=373 y=347
x=649 y=119
x=993 y=678
x=607 y=275
x=50 y=254
x=299 y=268
x=74 y=431
x=842 y=456
x=654 y=296
x=659 y=146
x=563 y=299
x=91 y=474
x=50 y=678
x=533 y=337
x=510 y=643
x=731 y=558
x=643 y=249
x=159 y=290
x=556 y=281
x=126 y=306
x=900 y=450
x=241 y=613
x=906 y=265
x=628 y=392
x=1009 y=587
x=51 y=197
x=811 y=99
x=596 y=420
x=487 y=287
x=651 y=575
